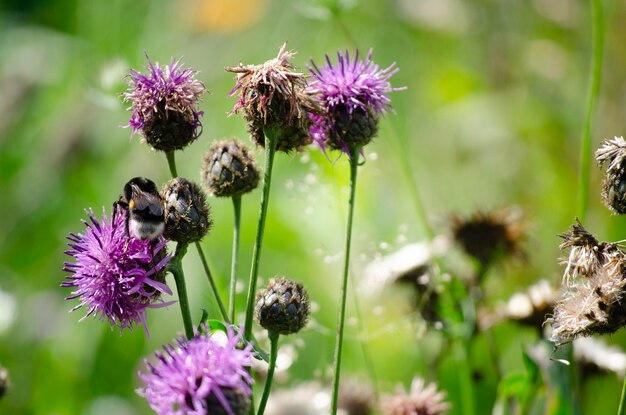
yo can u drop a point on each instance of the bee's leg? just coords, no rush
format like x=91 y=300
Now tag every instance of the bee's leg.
x=118 y=206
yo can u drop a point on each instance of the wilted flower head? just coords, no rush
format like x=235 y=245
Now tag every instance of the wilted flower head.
x=164 y=104
x=229 y=170
x=421 y=400
x=352 y=95
x=200 y=376
x=613 y=152
x=595 y=296
x=274 y=101
x=116 y=277
x=186 y=211
x=356 y=398
x=594 y=355
x=490 y=236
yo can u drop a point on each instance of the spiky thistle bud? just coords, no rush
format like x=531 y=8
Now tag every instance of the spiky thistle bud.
x=164 y=104
x=229 y=169
x=613 y=152
x=274 y=100
x=186 y=211
x=595 y=298
x=282 y=307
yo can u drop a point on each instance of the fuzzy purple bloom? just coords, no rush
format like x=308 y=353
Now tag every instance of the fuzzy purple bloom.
x=199 y=376
x=168 y=94
x=352 y=95
x=116 y=277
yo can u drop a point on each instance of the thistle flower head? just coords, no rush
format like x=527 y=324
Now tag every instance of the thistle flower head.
x=613 y=152
x=490 y=236
x=200 y=376
x=115 y=277
x=352 y=95
x=274 y=100
x=229 y=170
x=186 y=211
x=356 y=398
x=164 y=105
x=421 y=400
x=595 y=288
x=282 y=307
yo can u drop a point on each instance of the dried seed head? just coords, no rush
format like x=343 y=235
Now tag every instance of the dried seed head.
x=274 y=100
x=356 y=398
x=186 y=211
x=490 y=236
x=421 y=399
x=282 y=307
x=595 y=298
x=594 y=356
x=229 y=169
x=613 y=152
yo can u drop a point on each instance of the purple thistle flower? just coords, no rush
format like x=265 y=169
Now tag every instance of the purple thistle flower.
x=164 y=104
x=116 y=277
x=352 y=95
x=200 y=376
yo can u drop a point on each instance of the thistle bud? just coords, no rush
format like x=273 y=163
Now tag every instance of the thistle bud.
x=282 y=307
x=186 y=211
x=238 y=402
x=614 y=183
x=229 y=170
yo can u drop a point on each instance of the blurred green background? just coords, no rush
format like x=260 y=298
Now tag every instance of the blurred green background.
x=492 y=116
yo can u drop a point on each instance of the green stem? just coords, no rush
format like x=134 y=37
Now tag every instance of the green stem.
x=465 y=378
x=270 y=372
x=621 y=410
x=216 y=292
x=171 y=162
x=233 y=267
x=270 y=150
x=597 y=36
x=354 y=163
x=175 y=266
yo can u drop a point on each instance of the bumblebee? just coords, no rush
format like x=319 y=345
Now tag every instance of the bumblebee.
x=146 y=212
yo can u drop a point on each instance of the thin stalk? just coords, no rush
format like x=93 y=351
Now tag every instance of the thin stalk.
x=175 y=266
x=216 y=292
x=233 y=267
x=354 y=163
x=270 y=372
x=270 y=150
x=171 y=162
x=465 y=378
x=621 y=410
x=597 y=36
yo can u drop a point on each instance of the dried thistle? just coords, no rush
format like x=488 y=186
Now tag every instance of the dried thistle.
x=594 y=300
x=490 y=236
x=273 y=98
x=421 y=399
x=613 y=152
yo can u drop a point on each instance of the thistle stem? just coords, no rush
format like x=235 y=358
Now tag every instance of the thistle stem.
x=597 y=36
x=216 y=292
x=621 y=410
x=175 y=267
x=354 y=163
x=465 y=377
x=171 y=162
x=270 y=372
x=270 y=150
x=233 y=268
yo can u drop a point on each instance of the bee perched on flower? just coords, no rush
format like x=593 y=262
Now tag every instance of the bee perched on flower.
x=352 y=95
x=115 y=276
x=275 y=101
x=165 y=105
x=145 y=219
